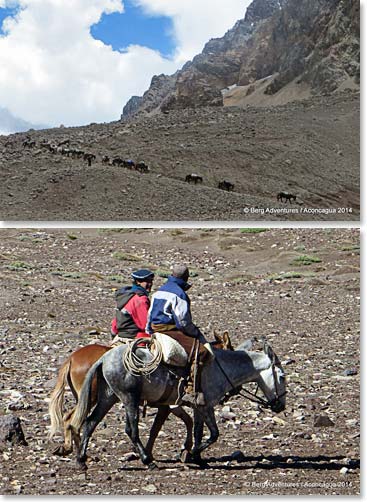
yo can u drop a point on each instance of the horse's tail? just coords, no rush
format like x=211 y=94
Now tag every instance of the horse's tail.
x=55 y=407
x=85 y=398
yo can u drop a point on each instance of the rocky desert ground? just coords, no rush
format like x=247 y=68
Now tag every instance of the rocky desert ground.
x=297 y=287
x=309 y=148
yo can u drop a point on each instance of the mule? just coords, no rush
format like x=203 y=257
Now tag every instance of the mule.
x=226 y=185
x=117 y=161
x=225 y=372
x=142 y=167
x=72 y=374
x=194 y=178
x=89 y=157
x=287 y=196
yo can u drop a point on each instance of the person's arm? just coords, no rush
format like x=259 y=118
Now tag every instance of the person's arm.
x=139 y=311
x=182 y=314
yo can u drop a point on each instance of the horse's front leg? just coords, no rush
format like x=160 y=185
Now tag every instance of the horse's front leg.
x=179 y=412
x=203 y=414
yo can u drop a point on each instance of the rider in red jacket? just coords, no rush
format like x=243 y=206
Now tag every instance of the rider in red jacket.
x=132 y=305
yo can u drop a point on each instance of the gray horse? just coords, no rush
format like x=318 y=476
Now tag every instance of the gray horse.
x=227 y=371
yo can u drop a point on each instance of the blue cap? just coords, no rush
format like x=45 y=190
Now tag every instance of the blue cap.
x=142 y=274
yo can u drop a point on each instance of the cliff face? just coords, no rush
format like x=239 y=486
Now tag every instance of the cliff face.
x=315 y=42
x=161 y=86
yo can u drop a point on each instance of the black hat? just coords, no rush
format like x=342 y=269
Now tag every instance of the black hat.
x=142 y=275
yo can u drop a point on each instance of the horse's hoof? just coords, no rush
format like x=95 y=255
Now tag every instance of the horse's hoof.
x=196 y=459
x=61 y=451
x=186 y=457
x=153 y=466
x=81 y=466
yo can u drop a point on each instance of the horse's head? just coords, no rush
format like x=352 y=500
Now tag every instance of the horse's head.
x=272 y=380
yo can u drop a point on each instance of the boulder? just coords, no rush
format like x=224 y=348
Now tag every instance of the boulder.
x=11 y=430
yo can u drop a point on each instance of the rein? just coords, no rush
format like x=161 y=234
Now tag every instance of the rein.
x=252 y=396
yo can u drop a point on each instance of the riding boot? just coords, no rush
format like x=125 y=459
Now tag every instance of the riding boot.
x=190 y=396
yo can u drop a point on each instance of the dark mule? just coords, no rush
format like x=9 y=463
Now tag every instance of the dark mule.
x=142 y=167
x=193 y=178
x=287 y=196
x=72 y=374
x=117 y=161
x=89 y=157
x=28 y=143
x=226 y=185
x=228 y=370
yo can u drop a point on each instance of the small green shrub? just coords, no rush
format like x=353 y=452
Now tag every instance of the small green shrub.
x=163 y=273
x=175 y=232
x=253 y=230
x=305 y=260
x=68 y=275
x=116 y=278
x=353 y=248
x=19 y=265
x=290 y=275
x=166 y=273
x=118 y=255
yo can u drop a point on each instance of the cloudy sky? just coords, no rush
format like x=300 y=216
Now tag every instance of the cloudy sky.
x=73 y=62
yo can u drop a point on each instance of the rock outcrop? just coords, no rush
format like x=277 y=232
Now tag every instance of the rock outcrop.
x=314 y=42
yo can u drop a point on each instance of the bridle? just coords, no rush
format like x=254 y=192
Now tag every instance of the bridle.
x=252 y=396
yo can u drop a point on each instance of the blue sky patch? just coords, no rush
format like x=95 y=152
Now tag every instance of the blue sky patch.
x=133 y=27
x=6 y=12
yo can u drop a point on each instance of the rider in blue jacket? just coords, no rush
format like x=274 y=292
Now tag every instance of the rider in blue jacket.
x=170 y=314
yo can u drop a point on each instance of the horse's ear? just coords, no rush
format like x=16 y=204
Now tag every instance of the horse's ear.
x=227 y=341
x=217 y=337
x=268 y=350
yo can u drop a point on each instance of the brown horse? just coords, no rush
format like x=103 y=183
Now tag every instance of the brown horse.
x=72 y=373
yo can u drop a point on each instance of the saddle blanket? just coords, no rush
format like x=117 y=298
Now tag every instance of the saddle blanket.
x=172 y=352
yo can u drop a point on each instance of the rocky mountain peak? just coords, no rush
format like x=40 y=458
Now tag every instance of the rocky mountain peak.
x=259 y=10
x=312 y=42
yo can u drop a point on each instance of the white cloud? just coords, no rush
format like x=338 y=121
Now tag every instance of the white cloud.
x=196 y=21
x=53 y=71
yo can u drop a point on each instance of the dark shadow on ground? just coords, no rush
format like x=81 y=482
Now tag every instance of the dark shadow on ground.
x=319 y=462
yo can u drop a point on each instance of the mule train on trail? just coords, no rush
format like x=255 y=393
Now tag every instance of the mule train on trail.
x=72 y=374
x=226 y=373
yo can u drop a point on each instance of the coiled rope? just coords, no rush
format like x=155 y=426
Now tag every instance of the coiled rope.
x=133 y=364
